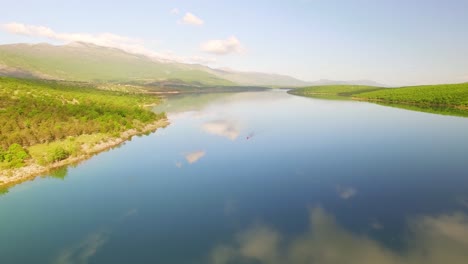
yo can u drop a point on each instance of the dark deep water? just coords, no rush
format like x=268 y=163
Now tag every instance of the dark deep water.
x=262 y=177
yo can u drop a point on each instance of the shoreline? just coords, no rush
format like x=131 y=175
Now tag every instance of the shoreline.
x=460 y=107
x=9 y=178
x=373 y=100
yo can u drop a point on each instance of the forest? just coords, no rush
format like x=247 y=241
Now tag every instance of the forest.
x=37 y=112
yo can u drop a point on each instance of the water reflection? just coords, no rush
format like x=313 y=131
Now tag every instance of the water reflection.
x=189 y=102
x=430 y=239
x=90 y=245
x=59 y=173
x=3 y=190
x=84 y=250
x=346 y=192
x=440 y=110
x=370 y=166
x=376 y=225
x=463 y=201
x=225 y=128
x=194 y=156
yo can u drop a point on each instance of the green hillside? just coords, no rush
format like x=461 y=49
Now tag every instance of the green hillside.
x=36 y=112
x=446 y=99
x=333 y=90
x=91 y=63
x=455 y=95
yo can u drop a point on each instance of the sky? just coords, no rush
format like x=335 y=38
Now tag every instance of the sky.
x=394 y=42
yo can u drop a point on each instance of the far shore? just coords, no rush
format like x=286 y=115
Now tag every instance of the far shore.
x=15 y=176
x=460 y=107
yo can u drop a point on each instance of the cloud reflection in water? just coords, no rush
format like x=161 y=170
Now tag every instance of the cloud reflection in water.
x=346 y=192
x=194 y=156
x=81 y=253
x=431 y=240
x=87 y=248
x=224 y=128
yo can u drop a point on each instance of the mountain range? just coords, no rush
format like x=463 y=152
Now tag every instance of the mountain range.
x=87 y=62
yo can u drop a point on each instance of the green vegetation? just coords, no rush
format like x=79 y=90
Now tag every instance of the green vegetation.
x=446 y=99
x=50 y=121
x=452 y=95
x=13 y=157
x=60 y=149
x=333 y=90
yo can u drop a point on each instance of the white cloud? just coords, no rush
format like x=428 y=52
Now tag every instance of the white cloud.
x=224 y=128
x=222 y=46
x=103 y=39
x=194 y=156
x=175 y=11
x=131 y=45
x=191 y=19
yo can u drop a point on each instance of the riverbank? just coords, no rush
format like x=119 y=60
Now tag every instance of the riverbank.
x=33 y=169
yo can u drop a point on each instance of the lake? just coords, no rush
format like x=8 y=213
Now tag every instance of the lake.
x=256 y=177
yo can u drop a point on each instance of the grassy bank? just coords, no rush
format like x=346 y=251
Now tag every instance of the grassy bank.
x=333 y=90
x=43 y=122
x=454 y=95
x=447 y=99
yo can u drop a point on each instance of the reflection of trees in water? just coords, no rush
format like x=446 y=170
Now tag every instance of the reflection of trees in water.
x=60 y=173
x=430 y=239
x=3 y=190
x=440 y=110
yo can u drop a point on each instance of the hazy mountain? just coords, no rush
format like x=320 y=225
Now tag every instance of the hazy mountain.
x=353 y=82
x=88 y=62
x=257 y=78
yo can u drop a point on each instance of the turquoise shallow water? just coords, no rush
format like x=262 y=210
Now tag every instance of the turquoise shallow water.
x=260 y=177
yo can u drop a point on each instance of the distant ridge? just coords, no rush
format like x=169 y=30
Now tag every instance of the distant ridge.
x=81 y=61
x=352 y=82
x=257 y=78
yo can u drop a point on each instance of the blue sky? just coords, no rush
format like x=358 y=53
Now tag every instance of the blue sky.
x=393 y=42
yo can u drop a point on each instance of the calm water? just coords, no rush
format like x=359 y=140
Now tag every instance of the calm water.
x=261 y=177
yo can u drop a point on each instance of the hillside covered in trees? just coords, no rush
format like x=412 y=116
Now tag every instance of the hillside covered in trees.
x=446 y=99
x=40 y=112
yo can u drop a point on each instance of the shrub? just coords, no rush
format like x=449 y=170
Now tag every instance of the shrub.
x=14 y=157
x=58 y=154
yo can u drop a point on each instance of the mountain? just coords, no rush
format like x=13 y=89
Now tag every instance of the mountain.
x=322 y=82
x=87 y=62
x=91 y=63
x=257 y=78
